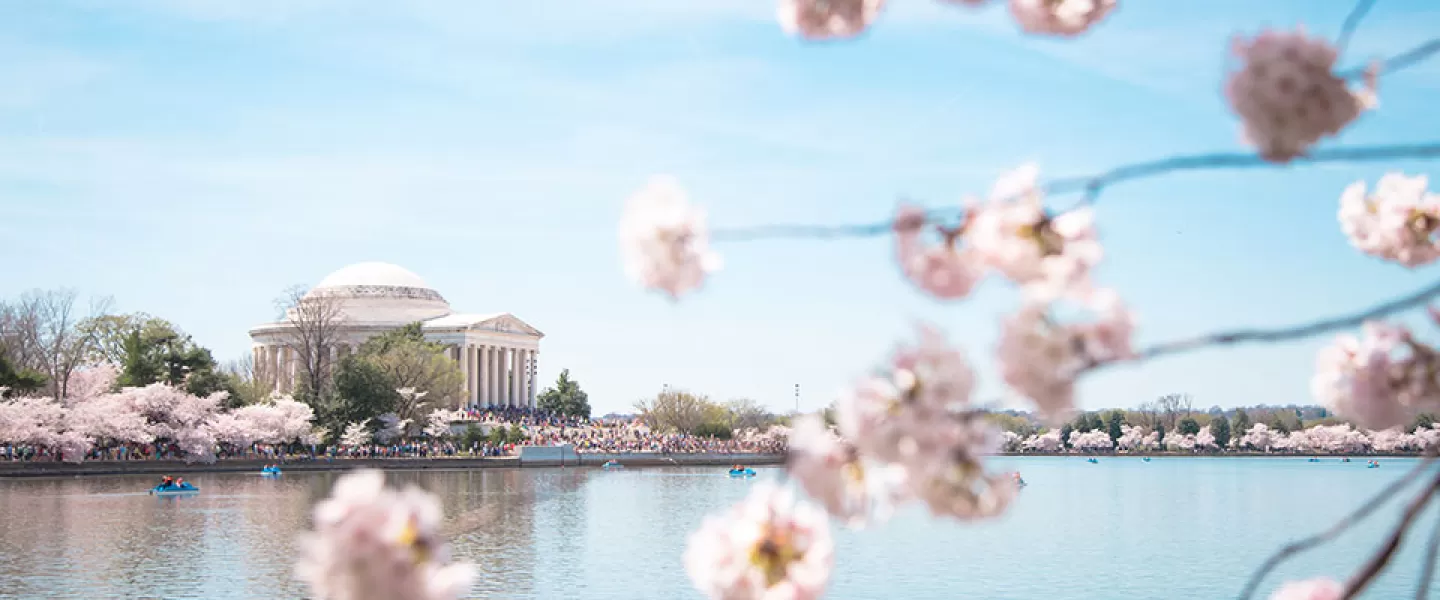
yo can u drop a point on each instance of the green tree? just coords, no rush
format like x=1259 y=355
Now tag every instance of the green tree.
x=409 y=361
x=361 y=391
x=1279 y=424
x=1065 y=434
x=1081 y=424
x=1422 y=421
x=1096 y=423
x=1188 y=426
x=676 y=410
x=157 y=352
x=1220 y=428
x=566 y=398
x=1241 y=423
x=24 y=381
x=714 y=429
x=1117 y=419
x=1160 y=436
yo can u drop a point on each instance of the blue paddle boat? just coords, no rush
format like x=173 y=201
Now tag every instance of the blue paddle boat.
x=270 y=471
x=174 y=489
x=739 y=471
x=1093 y=461
x=1374 y=464
x=612 y=464
x=1146 y=459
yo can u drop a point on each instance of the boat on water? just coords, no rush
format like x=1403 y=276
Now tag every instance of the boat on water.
x=270 y=471
x=174 y=489
x=612 y=464
x=1093 y=461
x=1374 y=464
x=1146 y=459
x=742 y=472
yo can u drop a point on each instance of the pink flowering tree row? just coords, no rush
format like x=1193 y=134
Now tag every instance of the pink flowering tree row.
x=91 y=416
x=1319 y=439
x=911 y=432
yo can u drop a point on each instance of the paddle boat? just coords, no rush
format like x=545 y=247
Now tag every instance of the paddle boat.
x=270 y=471
x=1146 y=459
x=1314 y=459
x=170 y=487
x=1093 y=461
x=741 y=471
x=612 y=464
x=1374 y=464
x=1019 y=481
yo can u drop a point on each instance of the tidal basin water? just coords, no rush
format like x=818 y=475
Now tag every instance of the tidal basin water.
x=1173 y=528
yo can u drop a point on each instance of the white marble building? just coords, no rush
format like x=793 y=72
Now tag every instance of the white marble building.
x=497 y=352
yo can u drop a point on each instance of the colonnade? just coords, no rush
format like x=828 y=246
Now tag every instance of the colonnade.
x=495 y=376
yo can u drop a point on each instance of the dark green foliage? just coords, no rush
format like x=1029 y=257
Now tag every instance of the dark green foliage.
x=1065 y=434
x=1096 y=423
x=1221 y=429
x=362 y=391
x=1117 y=419
x=1241 y=424
x=158 y=353
x=1160 y=438
x=566 y=398
x=718 y=431
x=1422 y=421
x=24 y=381
x=1188 y=426
x=1081 y=424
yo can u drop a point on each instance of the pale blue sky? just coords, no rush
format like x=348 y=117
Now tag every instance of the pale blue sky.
x=195 y=158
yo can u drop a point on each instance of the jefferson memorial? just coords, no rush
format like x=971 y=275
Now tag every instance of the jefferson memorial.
x=497 y=352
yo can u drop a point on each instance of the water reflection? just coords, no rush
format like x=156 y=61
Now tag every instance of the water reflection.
x=1089 y=532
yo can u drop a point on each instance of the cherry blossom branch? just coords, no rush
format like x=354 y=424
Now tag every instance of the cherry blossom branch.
x=1352 y=22
x=1427 y=572
x=1380 y=560
x=1092 y=185
x=1283 y=334
x=1360 y=514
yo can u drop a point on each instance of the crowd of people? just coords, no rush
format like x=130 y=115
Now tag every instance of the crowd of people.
x=534 y=428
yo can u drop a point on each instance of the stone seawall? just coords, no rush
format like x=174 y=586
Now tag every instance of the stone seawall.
x=529 y=457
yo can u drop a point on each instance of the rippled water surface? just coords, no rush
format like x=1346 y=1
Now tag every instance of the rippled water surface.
x=1176 y=529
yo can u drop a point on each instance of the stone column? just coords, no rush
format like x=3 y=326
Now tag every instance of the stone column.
x=269 y=370
x=515 y=377
x=472 y=374
x=534 y=374
x=525 y=382
x=282 y=371
x=496 y=376
x=484 y=376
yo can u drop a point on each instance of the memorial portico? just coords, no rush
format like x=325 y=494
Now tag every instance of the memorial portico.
x=497 y=352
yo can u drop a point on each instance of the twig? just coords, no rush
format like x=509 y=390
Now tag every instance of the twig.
x=1283 y=334
x=1427 y=573
x=1092 y=185
x=1404 y=60
x=1370 y=506
x=1381 y=559
x=1352 y=22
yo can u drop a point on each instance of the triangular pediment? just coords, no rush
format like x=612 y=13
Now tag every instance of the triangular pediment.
x=508 y=323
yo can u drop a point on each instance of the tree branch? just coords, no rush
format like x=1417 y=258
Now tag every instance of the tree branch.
x=1427 y=566
x=1092 y=185
x=1381 y=559
x=1283 y=334
x=1352 y=22
x=1364 y=511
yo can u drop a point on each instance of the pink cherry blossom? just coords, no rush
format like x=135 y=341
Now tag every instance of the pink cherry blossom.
x=665 y=241
x=947 y=270
x=1059 y=17
x=1041 y=358
x=1322 y=588
x=1014 y=234
x=1379 y=380
x=90 y=382
x=1398 y=222
x=1287 y=95
x=1045 y=442
x=828 y=19
x=853 y=490
x=371 y=542
x=1091 y=440
x=771 y=546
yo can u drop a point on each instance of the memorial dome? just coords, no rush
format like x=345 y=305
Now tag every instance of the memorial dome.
x=378 y=292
